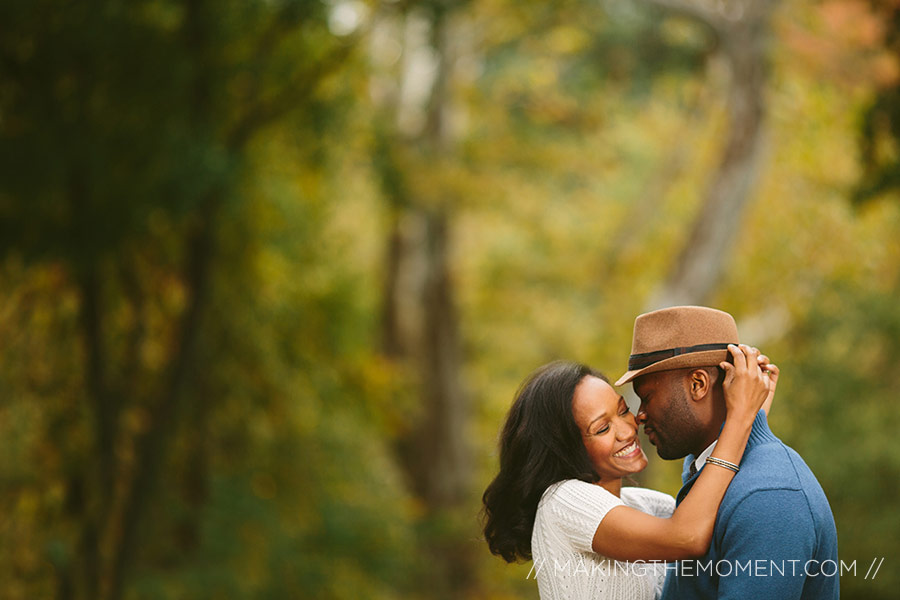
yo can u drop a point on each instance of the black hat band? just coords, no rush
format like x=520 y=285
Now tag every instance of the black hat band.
x=640 y=361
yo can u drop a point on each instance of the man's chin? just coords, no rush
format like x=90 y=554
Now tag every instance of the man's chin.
x=666 y=454
x=669 y=455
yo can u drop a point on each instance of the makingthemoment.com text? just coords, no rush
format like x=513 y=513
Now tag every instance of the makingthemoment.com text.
x=721 y=568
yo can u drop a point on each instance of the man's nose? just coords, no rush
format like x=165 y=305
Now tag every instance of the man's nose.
x=641 y=417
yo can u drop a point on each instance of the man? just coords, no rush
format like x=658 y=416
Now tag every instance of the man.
x=774 y=536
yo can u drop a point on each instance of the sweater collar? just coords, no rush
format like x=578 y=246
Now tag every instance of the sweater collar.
x=759 y=434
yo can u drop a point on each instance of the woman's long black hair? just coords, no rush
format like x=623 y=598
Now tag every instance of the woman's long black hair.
x=540 y=445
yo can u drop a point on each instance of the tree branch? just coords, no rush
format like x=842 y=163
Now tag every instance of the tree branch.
x=103 y=413
x=152 y=445
x=704 y=11
x=131 y=287
x=289 y=97
x=700 y=264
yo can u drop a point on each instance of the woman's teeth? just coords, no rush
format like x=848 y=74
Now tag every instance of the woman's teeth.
x=627 y=449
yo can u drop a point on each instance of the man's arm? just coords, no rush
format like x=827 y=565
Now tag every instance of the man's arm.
x=770 y=532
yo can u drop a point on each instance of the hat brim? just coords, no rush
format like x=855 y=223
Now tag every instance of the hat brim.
x=708 y=358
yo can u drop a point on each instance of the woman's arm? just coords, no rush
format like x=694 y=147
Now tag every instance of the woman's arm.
x=629 y=534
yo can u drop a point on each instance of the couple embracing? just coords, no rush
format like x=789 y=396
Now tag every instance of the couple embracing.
x=750 y=521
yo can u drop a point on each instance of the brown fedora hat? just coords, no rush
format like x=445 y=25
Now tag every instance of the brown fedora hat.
x=679 y=337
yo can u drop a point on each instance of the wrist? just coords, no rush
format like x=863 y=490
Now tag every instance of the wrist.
x=741 y=413
x=740 y=422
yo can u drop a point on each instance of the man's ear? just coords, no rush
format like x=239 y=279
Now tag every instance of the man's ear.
x=699 y=384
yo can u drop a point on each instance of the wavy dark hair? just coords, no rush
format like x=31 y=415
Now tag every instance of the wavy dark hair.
x=540 y=444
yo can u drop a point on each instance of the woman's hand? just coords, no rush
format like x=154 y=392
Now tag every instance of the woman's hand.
x=746 y=385
x=772 y=370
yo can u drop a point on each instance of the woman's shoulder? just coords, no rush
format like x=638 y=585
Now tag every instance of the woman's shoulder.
x=649 y=501
x=569 y=489
x=575 y=497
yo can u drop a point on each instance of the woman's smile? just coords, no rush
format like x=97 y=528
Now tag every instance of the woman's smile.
x=630 y=451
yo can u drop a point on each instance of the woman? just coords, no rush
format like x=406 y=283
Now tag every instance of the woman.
x=568 y=441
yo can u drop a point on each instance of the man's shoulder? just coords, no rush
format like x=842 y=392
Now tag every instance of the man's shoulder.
x=776 y=469
x=773 y=465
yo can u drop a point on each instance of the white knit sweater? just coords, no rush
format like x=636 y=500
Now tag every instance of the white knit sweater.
x=565 y=566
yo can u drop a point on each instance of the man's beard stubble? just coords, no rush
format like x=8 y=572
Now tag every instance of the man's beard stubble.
x=681 y=429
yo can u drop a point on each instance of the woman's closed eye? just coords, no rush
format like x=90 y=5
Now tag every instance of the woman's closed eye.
x=623 y=410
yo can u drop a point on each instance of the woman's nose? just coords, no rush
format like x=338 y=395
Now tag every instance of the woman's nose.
x=626 y=428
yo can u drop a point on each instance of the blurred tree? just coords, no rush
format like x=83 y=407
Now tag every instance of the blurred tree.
x=205 y=363
x=415 y=148
x=880 y=131
x=126 y=129
x=741 y=30
x=843 y=366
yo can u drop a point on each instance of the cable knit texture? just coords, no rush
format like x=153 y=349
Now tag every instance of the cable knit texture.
x=564 y=564
x=774 y=525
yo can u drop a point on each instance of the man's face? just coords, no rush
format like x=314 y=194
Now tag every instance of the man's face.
x=666 y=414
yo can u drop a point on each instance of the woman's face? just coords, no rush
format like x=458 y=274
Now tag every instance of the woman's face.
x=608 y=429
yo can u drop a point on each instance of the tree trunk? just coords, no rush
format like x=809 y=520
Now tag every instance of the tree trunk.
x=439 y=449
x=151 y=449
x=742 y=29
x=420 y=322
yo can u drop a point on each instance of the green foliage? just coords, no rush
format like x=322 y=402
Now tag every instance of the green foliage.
x=838 y=413
x=880 y=130
x=82 y=83
x=227 y=160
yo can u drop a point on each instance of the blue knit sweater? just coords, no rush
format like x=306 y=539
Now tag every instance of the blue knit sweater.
x=774 y=535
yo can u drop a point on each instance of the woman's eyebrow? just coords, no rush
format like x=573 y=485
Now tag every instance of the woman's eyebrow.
x=603 y=414
x=595 y=420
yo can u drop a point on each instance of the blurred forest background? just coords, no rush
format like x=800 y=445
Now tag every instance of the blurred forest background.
x=272 y=270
